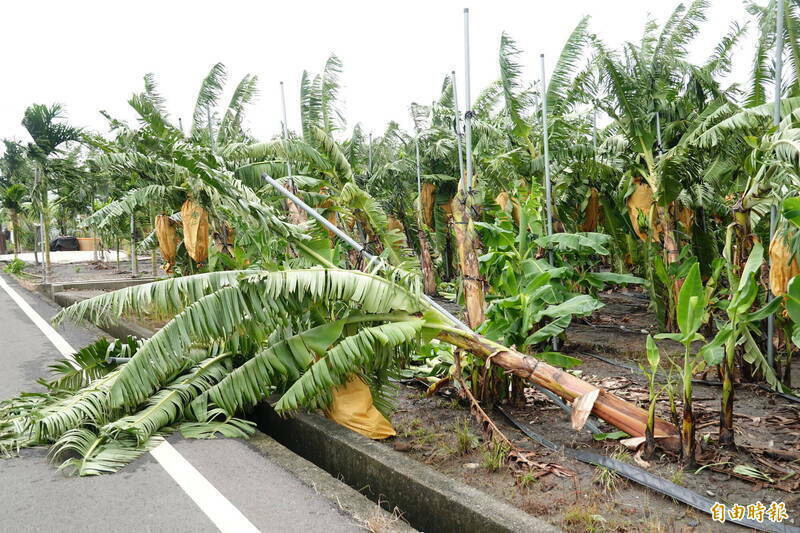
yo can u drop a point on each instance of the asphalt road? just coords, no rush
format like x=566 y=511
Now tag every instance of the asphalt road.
x=227 y=484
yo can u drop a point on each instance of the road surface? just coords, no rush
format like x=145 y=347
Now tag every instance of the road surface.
x=183 y=485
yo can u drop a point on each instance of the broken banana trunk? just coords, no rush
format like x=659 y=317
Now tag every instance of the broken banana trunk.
x=611 y=408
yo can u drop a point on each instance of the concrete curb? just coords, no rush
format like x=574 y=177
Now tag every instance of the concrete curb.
x=427 y=499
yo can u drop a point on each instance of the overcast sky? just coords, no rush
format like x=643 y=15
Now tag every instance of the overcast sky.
x=91 y=55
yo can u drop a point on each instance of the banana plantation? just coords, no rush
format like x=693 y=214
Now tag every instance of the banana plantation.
x=568 y=290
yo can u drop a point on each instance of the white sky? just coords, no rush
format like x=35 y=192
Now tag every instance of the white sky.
x=91 y=55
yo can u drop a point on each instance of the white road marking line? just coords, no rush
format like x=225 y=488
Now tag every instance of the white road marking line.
x=212 y=502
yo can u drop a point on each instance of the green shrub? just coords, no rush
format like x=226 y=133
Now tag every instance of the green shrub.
x=16 y=266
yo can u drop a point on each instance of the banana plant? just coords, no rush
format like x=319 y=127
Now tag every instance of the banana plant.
x=690 y=314
x=653 y=361
x=736 y=331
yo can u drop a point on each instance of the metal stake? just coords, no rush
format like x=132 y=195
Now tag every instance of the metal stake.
x=134 y=259
x=468 y=105
x=658 y=131
x=419 y=173
x=356 y=246
x=286 y=136
x=547 y=184
x=776 y=120
x=459 y=135
x=545 y=140
x=369 y=156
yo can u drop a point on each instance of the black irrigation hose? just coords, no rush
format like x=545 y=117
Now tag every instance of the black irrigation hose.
x=645 y=478
x=784 y=395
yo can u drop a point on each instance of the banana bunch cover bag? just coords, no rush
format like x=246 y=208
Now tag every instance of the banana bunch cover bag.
x=352 y=408
x=195 y=231
x=167 y=241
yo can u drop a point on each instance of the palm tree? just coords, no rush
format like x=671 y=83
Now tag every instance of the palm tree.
x=11 y=200
x=49 y=134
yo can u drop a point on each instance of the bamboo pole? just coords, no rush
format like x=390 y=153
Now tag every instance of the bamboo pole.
x=611 y=408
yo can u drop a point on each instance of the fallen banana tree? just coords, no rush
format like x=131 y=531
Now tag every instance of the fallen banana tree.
x=611 y=408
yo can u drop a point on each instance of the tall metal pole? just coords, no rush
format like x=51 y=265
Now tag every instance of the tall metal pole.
x=285 y=129
x=776 y=119
x=468 y=105
x=134 y=258
x=419 y=172
x=458 y=126
x=658 y=130
x=369 y=156
x=545 y=141
x=547 y=184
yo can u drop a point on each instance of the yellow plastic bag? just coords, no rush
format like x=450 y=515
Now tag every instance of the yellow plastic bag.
x=352 y=408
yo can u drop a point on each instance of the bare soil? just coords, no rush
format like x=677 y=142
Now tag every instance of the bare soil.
x=91 y=271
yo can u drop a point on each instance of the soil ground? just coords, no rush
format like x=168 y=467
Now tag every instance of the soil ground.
x=87 y=270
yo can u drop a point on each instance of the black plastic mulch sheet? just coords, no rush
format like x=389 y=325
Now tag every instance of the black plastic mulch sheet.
x=646 y=479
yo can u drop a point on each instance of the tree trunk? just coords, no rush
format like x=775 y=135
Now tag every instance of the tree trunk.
x=15 y=229
x=467 y=243
x=46 y=243
x=613 y=409
x=296 y=215
x=426 y=263
x=671 y=249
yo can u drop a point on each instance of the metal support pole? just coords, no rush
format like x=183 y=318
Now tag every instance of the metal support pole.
x=468 y=105
x=134 y=259
x=369 y=156
x=356 y=246
x=285 y=128
x=547 y=184
x=419 y=172
x=545 y=142
x=459 y=135
x=776 y=119
x=658 y=131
